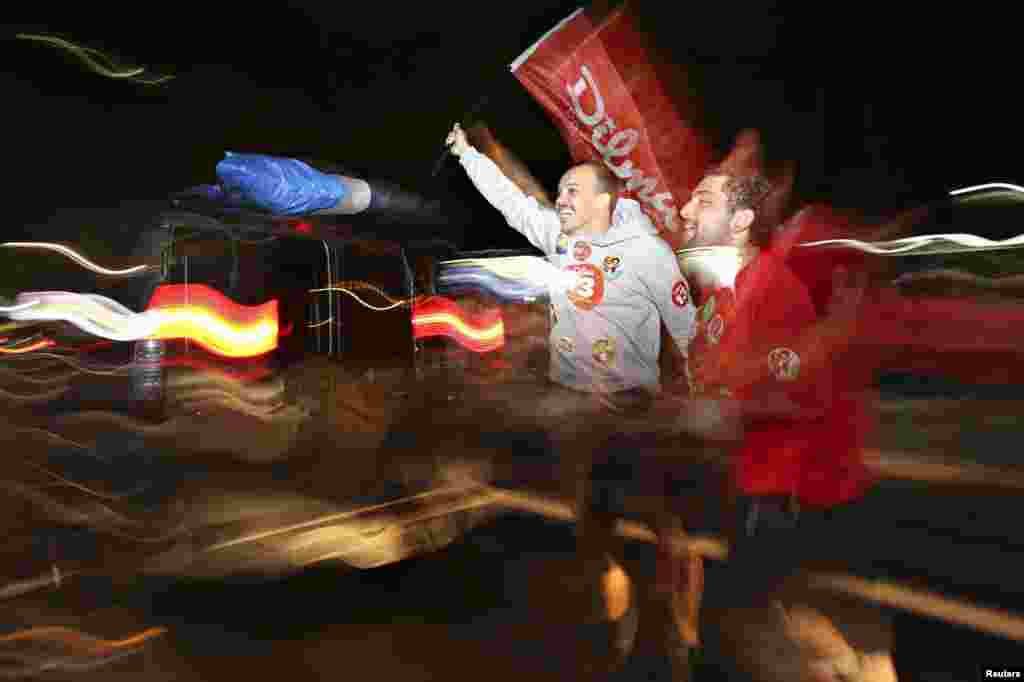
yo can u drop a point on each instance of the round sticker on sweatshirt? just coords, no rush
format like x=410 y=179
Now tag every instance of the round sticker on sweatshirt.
x=604 y=352
x=581 y=250
x=681 y=293
x=588 y=289
x=612 y=266
x=562 y=245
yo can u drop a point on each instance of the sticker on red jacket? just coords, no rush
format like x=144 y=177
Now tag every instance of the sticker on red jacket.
x=681 y=293
x=715 y=329
x=784 y=363
x=588 y=289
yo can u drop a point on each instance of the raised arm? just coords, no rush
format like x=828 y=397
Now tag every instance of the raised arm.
x=524 y=213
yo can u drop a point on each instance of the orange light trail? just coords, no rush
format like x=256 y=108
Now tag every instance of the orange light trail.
x=81 y=641
x=38 y=345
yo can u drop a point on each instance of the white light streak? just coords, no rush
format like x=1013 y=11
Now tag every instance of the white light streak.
x=18 y=307
x=936 y=243
x=990 y=185
x=78 y=258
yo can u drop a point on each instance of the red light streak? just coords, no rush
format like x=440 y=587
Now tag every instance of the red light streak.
x=443 y=317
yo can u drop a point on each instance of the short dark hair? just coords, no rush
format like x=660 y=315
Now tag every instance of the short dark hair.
x=746 y=191
x=743 y=191
x=605 y=181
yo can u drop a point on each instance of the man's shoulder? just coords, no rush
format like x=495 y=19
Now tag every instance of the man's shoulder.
x=774 y=265
x=776 y=287
x=629 y=215
x=649 y=253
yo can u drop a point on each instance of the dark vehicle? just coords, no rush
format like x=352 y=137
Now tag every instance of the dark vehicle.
x=287 y=436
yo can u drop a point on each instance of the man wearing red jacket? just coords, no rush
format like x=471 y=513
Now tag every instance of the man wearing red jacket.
x=762 y=353
x=762 y=344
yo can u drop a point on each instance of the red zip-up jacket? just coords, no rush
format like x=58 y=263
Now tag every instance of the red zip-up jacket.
x=766 y=324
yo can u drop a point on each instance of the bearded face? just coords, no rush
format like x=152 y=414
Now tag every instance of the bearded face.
x=708 y=219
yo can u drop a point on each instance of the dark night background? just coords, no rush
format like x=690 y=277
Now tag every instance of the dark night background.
x=881 y=109
x=883 y=105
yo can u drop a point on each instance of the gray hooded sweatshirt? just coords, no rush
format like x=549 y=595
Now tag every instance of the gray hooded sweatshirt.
x=605 y=329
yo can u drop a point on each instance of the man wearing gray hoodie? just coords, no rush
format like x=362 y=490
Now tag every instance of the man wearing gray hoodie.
x=605 y=326
x=619 y=282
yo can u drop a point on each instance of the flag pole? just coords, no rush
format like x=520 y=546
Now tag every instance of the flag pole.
x=464 y=120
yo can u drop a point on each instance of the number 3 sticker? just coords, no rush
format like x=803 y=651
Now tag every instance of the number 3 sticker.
x=585 y=287
x=588 y=291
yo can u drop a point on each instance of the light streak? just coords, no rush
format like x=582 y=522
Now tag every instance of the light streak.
x=191 y=389
x=394 y=304
x=216 y=334
x=78 y=486
x=35 y=665
x=442 y=317
x=191 y=380
x=340 y=516
x=455 y=281
x=23 y=376
x=38 y=345
x=932 y=244
x=11 y=326
x=210 y=318
x=77 y=366
x=53 y=436
x=246 y=373
x=17 y=308
x=88 y=55
x=95 y=314
x=330 y=299
x=20 y=346
x=360 y=284
x=35 y=398
x=270 y=436
x=511 y=278
x=207 y=397
x=18 y=588
x=79 y=258
x=321 y=324
x=525 y=268
x=989 y=185
x=78 y=640
x=96 y=515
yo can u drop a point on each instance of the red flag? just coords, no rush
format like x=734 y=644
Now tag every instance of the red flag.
x=595 y=78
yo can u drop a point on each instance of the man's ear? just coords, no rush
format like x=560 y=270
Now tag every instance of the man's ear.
x=605 y=199
x=742 y=220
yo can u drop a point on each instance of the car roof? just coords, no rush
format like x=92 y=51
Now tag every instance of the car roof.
x=430 y=232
